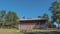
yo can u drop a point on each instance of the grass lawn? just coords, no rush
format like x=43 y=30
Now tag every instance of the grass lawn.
x=15 y=31
x=9 y=31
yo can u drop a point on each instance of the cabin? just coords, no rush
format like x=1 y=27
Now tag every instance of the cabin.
x=33 y=23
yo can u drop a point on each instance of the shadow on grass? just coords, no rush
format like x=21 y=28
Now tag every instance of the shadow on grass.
x=55 y=32
x=52 y=32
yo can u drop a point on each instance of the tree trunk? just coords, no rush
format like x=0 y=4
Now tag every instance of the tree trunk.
x=58 y=26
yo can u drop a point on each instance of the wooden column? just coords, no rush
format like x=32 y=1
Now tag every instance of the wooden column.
x=19 y=26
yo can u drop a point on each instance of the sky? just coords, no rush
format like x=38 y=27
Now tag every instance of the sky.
x=27 y=8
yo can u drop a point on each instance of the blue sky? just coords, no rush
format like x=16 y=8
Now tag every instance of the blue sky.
x=27 y=8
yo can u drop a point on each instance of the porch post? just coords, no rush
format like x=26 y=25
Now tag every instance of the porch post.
x=19 y=26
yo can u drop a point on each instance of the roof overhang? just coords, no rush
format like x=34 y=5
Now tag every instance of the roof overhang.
x=32 y=19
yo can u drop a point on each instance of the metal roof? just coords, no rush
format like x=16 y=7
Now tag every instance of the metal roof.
x=32 y=19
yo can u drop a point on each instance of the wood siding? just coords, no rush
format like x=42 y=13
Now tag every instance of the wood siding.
x=27 y=26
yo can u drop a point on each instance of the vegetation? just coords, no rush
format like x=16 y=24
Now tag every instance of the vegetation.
x=39 y=17
x=9 y=31
x=55 y=10
x=8 y=19
x=44 y=16
x=15 y=31
x=23 y=17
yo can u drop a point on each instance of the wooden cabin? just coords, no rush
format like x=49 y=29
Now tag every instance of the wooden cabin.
x=33 y=23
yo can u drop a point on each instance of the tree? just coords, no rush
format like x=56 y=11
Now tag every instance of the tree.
x=39 y=17
x=23 y=17
x=55 y=10
x=58 y=17
x=45 y=16
x=11 y=18
x=2 y=16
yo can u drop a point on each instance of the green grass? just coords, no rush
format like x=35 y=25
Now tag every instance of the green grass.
x=15 y=31
x=54 y=32
x=44 y=32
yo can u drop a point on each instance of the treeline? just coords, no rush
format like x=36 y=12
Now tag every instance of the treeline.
x=8 y=19
x=55 y=11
